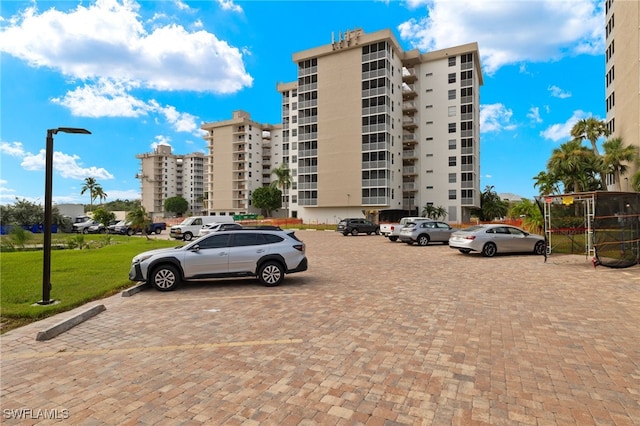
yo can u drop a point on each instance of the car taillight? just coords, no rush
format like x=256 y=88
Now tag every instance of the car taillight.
x=299 y=247
x=392 y=228
x=470 y=237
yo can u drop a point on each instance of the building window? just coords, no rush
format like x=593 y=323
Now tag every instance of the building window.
x=452 y=94
x=452 y=194
x=452 y=161
x=452 y=144
x=452 y=178
x=452 y=111
x=452 y=61
x=452 y=77
x=452 y=127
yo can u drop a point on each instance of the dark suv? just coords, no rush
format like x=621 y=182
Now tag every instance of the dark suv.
x=355 y=226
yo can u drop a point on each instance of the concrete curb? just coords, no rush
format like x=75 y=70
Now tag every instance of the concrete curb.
x=135 y=289
x=68 y=324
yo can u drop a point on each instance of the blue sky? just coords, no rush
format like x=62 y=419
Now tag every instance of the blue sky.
x=137 y=74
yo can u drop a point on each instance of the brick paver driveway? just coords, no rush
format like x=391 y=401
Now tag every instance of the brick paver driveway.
x=373 y=333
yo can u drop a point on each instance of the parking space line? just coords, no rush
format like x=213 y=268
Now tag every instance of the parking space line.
x=143 y=349
x=256 y=296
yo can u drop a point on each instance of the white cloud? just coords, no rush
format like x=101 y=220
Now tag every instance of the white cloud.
x=111 y=99
x=557 y=92
x=534 y=115
x=229 y=5
x=67 y=166
x=13 y=149
x=509 y=32
x=562 y=131
x=161 y=140
x=495 y=118
x=108 y=40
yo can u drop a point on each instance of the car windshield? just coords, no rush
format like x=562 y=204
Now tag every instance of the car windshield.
x=473 y=228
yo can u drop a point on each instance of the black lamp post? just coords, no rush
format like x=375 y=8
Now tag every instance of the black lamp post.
x=48 y=188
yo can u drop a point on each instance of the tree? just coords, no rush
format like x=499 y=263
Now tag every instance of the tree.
x=591 y=129
x=530 y=213
x=491 y=205
x=139 y=219
x=282 y=181
x=547 y=183
x=615 y=157
x=104 y=216
x=24 y=212
x=267 y=198
x=433 y=212
x=575 y=166
x=95 y=190
x=177 y=205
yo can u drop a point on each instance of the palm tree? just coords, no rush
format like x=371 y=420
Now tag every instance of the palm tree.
x=635 y=181
x=282 y=181
x=95 y=190
x=531 y=214
x=574 y=165
x=433 y=212
x=591 y=129
x=547 y=183
x=139 y=219
x=615 y=155
x=491 y=205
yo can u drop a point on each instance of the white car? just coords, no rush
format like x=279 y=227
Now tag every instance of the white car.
x=496 y=238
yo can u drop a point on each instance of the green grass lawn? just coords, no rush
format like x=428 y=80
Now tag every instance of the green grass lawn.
x=77 y=276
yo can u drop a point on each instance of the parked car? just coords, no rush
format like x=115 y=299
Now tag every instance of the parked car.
x=392 y=230
x=114 y=229
x=83 y=227
x=216 y=226
x=355 y=226
x=424 y=232
x=97 y=229
x=125 y=228
x=265 y=254
x=496 y=238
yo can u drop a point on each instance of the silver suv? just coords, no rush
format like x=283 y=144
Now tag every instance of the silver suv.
x=265 y=254
x=426 y=231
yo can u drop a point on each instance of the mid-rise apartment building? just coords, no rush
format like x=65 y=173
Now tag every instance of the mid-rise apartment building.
x=164 y=175
x=240 y=160
x=366 y=127
x=622 y=78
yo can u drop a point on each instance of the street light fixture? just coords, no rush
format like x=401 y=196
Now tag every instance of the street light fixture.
x=48 y=188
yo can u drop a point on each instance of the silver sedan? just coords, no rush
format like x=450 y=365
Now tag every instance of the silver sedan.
x=496 y=238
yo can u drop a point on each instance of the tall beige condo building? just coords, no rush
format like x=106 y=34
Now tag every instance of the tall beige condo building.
x=366 y=127
x=164 y=175
x=622 y=58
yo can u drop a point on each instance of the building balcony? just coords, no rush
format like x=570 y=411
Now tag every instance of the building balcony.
x=409 y=122
x=409 y=154
x=409 y=170
x=409 y=75
x=409 y=106
x=409 y=187
x=409 y=138
x=409 y=91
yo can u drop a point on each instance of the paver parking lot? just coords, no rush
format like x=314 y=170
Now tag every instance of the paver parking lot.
x=374 y=333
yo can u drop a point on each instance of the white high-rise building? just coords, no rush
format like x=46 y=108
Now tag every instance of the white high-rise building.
x=164 y=175
x=366 y=127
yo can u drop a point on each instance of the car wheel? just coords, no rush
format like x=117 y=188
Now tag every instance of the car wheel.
x=394 y=239
x=130 y=232
x=354 y=232
x=103 y=231
x=378 y=231
x=165 y=278
x=489 y=250
x=158 y=231
x=423 y=240
x=539 y=248
x=187 y=236
x=345 y=233
x=271 y=273
x=368 y=233
x=464 y=251
x=85 y=231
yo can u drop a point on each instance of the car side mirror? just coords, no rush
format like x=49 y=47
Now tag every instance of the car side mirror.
x=195 y=248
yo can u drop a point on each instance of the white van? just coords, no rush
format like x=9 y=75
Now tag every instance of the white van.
x=190 y=227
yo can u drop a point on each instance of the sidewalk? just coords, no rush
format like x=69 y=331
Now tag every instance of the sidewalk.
x=374 y=333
